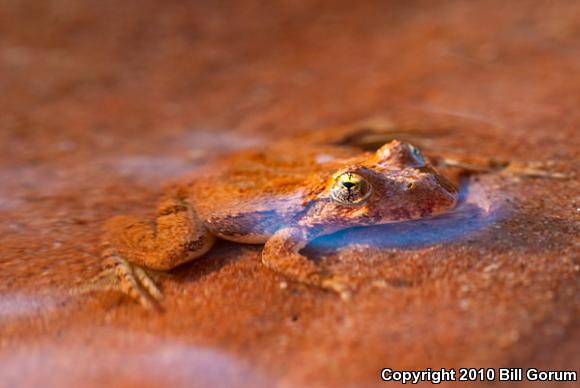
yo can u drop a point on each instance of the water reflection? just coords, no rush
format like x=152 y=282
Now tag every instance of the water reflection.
x=125 y=358
x=19 y=305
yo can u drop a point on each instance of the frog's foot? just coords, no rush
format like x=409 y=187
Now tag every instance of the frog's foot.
x=132 y=280
x=281 y=254
x=534 y=169
x=506 y=168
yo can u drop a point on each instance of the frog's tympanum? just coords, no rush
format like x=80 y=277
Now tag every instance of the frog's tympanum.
x=282 y=198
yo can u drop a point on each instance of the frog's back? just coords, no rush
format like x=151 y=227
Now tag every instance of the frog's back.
x=248 y=196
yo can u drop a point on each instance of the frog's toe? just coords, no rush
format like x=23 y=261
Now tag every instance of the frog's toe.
x=135 y=282
x=145 y=280
x=341 y=288
x=122 y=276
x=106 y=280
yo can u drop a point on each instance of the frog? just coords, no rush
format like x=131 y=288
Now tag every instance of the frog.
x=282 y=197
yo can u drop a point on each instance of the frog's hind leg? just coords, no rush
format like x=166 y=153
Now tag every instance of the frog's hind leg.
x=135 y=249
x=534 y=169
x=373 y=133
x=481 y=165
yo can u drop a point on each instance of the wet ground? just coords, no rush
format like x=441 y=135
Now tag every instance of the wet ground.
x=102 y=102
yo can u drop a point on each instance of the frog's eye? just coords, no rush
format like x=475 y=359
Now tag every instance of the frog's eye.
x=417 y=154
x=397 y=154
x=350 y=188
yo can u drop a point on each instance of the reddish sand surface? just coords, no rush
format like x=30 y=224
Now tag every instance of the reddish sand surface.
x=103 y=101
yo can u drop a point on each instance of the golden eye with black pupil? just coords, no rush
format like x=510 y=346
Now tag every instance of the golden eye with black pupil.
x=350 y=188
x=417 y=154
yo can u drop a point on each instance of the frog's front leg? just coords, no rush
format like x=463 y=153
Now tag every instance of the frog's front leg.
x=281 y=253
x=134 y=247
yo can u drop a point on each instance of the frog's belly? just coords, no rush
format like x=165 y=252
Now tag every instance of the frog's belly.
x=245 y=239
x=246 y=228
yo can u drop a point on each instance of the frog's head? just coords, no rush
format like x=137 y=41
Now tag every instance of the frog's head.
x=395 y=184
